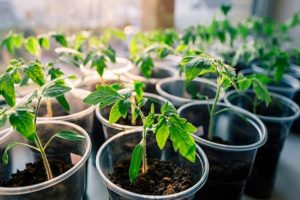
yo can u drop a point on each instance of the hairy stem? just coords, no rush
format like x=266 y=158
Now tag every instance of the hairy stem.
x=212 y=112
x=49 y=108
x=144 y=158
x=39 y=144
x=133 y=121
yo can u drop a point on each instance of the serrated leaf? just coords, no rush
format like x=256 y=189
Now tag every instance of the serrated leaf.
x=162 y=132
x=16 y=76
x=69 y=135
x=181 y=136
x=23 y=122
x=244 y=83
x=61 y=39
x=119 y=109
x=11 y=42
x=32 y=46
x=135 y=162
x=56 y=90
x=99 y=63
x=261 y=92
x=195 y=66
x=167 y=108
x=44 y=42
x=110 y=53
x=35 y=72
x=146 y=65
x=105 y=95
x=138 y=88
x=7 y=89
x=63 y=102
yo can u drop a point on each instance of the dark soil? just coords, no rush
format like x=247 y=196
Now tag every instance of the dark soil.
x=57 y=110
x=162 y=178
x=35 y=173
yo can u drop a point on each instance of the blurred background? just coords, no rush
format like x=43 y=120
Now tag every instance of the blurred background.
x=70 y=15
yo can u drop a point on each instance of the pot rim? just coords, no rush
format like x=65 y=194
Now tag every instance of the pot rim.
x=201 y=156
x=285 y=101
x=58 y=179
x=252 y=119
x=133 y=76
x=182 y=99
x=292 y=82
x=121 y=127
x=74 y=116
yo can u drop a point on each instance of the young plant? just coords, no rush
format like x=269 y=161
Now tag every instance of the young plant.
x=23 y=115
x=166 y=124
x=226 y=77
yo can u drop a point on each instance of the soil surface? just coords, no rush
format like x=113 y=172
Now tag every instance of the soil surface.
x=162 y=178
x=35 y=173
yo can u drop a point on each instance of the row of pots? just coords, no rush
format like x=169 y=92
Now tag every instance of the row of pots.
x=230 y=164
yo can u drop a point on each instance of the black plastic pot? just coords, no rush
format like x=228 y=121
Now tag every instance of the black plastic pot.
x=277 y=117
x=237 y=134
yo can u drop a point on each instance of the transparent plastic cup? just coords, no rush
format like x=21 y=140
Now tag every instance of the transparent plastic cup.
x=170 y=61
x=277 y=117
x=80 y=113
x=110 y=130
x=287 y=87
x=69 y=185
x=120 y=146
x=237 y=136
x=174 y=89
x=158 y=73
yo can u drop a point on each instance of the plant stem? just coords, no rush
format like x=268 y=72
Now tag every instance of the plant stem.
x=133 y=121
x=144 y=158
x=39 y=144
x=254 y=105
x=212 y=112
x=49 y=108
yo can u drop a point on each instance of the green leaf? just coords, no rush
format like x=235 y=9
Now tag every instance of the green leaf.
x=16 y=76
x=35 y=72
x=7 y=89
x=56 y=90
x=195 y=66
x=244 y=83
x=63 y=102
x=135 y=162
x=5 y=154
x=99 y=63
x=168 y=108
x=162 y=132
x=138 y=88
x=61 y=39
x=225 y=8
x=146 y=65
x=12 y=41
x=119 y=109
x=69 y=135
x=44 y=42
x=3 y=119
x=32 y=46
x=23 y=122
x=261 y=92
x=105 y=95
x=181 y=136
x=110 y=53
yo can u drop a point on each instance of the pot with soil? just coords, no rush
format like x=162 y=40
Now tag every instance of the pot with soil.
x=179 y=92
x=110 y=130
x=169 y=175
x=158 y=73
x=235 y=137
x=287 y=86
x=80 y=113
x=24 y=178
x=277 y=117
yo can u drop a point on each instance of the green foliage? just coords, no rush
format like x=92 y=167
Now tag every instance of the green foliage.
x=166 y=124
x=35 y=72
x=135 y=162
x=12 y=41
x=138 y=88
x=32 y=45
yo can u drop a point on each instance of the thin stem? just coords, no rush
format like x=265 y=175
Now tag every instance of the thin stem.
x=144 y=157
x=27 y=145
x=212 y=112
x=255 y=103
x=39 y=144
x=133 y=121
x=49 y=108
x=49 y=141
